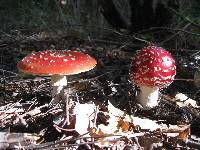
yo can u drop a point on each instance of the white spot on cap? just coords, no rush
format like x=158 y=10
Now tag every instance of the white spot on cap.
x=174 y=68
x=138 y=62
x=156 y=68
x=165 y=70
x=45 y=58
x=65 y=59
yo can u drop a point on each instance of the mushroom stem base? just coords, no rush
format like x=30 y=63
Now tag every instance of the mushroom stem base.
x=148 y=96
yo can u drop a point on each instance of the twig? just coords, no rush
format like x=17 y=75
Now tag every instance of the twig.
x=185 y=50
x=174 y=35
x=195 y=54
x=189 y=80
x=166 y=28
x=61 y=142
x=60 y=128
x=112 y=42
x=185 y=18
x=114 y=31
x=2 y=70
x=8 y=35
x=193 y=144
x=95 y=78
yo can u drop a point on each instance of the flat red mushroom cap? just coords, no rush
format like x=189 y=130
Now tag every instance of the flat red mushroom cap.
x=62 y=62
x=153 y=66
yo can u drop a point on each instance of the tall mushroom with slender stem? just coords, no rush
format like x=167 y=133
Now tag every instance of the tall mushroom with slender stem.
x=152 y=68
x=57 y=64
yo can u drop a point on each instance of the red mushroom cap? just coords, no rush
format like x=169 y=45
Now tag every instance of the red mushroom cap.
x=62 y=62
x=153 y=66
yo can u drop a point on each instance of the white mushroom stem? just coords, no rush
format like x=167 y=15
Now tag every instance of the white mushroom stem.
x=148 y=96
x=57 y=82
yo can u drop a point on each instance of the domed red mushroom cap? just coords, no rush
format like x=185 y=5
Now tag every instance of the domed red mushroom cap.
x=153 y=66
x=62 y=62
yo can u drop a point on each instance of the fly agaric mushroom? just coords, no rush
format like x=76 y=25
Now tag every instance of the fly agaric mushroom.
x=152 y=68
x=56 y=64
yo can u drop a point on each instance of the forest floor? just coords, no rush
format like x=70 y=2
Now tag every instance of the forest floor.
x=103 y=112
